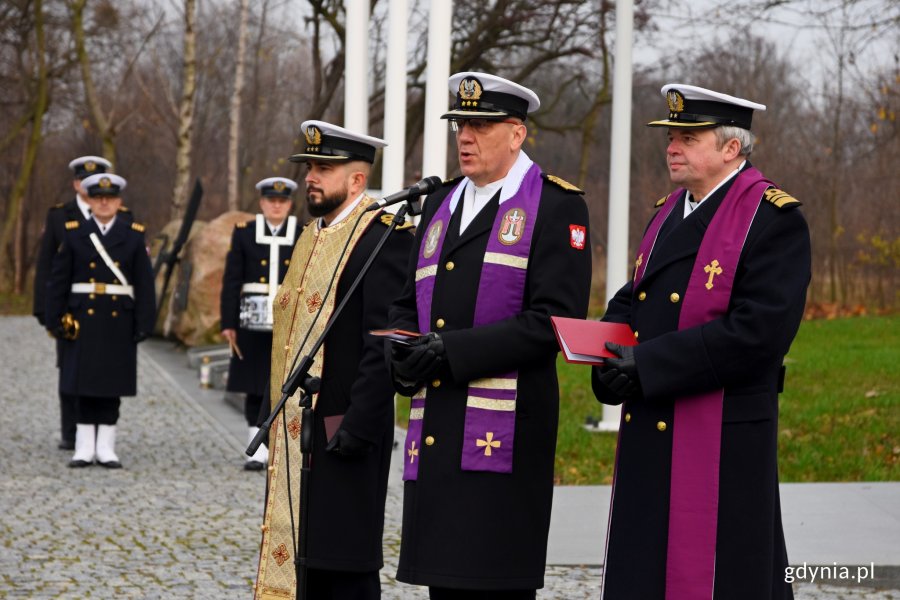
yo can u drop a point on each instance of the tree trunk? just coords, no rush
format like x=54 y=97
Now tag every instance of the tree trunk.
x=101 y=122
x=234 y=129
x=12 y=226
x=601 y=99
x=185 y=113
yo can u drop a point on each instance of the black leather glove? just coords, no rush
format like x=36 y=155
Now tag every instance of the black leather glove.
x=617 y=379
x=140 y=336
x=345 y=443
x=420 y=359
x=625 y=363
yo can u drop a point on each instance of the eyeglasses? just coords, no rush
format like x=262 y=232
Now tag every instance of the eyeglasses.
x=478 y=126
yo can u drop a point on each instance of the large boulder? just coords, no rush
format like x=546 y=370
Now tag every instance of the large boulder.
x=192 y=313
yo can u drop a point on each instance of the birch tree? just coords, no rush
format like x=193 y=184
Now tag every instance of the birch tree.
x=235 y=112
x=185 y=112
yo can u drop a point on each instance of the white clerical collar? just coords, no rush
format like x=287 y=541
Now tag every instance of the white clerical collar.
x=511 y=182
x=83 y=206
x=691 y=204
x=475 y=198
x=104 y=228
x=343 y=214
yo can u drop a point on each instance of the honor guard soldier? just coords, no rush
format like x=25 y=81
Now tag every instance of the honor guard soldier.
x=353 y=429
x=716 y=299
x=498 y=251
x=100 y=303
x=257 y=260
x=76 y=209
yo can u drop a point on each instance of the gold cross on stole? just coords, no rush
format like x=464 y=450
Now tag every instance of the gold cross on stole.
x=413 y=452
x=488 y=443
x=713 y=269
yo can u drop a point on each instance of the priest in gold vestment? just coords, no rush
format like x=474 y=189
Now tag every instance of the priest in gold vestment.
x=353 y=424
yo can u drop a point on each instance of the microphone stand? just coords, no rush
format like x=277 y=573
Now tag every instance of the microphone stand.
x=309 y=385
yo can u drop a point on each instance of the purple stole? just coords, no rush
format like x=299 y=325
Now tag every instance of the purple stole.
x=491 y=403
x=697 y=426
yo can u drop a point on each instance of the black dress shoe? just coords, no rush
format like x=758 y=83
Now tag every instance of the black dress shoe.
x=78 y=464
x=110 y=464
x=66 y=445
x=254 y=465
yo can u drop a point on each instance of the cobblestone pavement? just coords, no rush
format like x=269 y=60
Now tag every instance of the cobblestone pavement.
x=181 y=520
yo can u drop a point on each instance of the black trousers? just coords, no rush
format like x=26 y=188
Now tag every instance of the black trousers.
x=67 y=414
x=342 y=585
x=436 y=593
x=97 y=411
x=251 y=408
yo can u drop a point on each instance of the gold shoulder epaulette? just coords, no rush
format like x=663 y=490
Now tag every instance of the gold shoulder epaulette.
x=241 y=225
x=453 y=181
x=780 y=198
x=124 y=209
x=388 y=218
x=660 y=202
x=138 y=227
x=60 y=205
x=70 y=225
x=563 y=184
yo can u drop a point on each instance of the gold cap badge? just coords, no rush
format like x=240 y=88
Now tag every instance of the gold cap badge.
x=105 y=182
x=313 y=135
x=675 y=100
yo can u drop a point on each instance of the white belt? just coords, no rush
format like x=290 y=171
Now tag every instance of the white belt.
x=255 y=288
x=103 y=288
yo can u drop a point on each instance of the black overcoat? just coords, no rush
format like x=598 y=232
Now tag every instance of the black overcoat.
x=742 y=352
x=480 y=530
x=248 y=262
x=347 y=494
x=102 y=362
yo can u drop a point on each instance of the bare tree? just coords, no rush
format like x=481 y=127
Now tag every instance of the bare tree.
x=235 y=113
x=185 y=112
x=13 y=225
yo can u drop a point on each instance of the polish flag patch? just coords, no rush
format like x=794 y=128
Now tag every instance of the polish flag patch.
x=577 y=235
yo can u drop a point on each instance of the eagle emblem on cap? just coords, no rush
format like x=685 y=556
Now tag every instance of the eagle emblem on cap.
x=470 y=91
x=675 y=100
x=278 y=186
x=90 y=166
x=313 y=135
x=105 y=182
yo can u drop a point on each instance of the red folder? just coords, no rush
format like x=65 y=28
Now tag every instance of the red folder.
x=584 y=342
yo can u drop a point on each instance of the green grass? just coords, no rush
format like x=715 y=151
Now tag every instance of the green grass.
x=15 y=304
x=840 y=412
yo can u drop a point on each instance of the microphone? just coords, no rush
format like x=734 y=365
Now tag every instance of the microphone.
x=426 y=186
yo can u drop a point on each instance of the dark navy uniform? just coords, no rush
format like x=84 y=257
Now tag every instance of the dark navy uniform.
x=738 y=349
x=102 y=361
x=479 y=530
x=247 y=262
x=51 y=238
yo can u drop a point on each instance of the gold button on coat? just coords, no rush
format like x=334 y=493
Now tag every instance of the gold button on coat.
x=90 y=311
x=440 y=323
x=627 y=417
x=436 y=383
x=262 y=279
x=115 y=314
x=450 y=265
x=661 y=425
x=287 y=261
x=674 y=297
x=429 y=441
x=93 y=265
x=635 y=335
x=642 y=296
x=263 y=262
x=91 y=296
